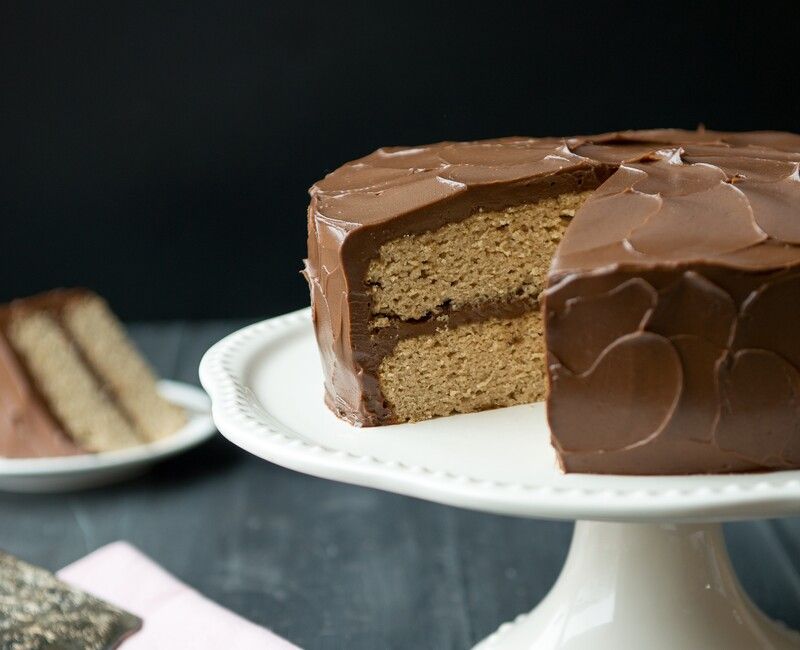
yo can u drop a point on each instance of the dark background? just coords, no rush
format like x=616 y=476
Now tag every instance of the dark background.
x=160 y=152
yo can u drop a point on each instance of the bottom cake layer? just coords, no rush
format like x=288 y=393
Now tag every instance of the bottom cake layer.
x=473 y=367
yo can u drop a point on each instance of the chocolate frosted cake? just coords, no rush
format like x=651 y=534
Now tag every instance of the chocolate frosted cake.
x=72 y=382
x=645 y=283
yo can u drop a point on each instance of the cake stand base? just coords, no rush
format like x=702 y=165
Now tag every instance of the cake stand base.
x=655 y=586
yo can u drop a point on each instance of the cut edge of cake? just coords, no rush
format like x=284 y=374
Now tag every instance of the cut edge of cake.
x=78 y=377
x=445 y=284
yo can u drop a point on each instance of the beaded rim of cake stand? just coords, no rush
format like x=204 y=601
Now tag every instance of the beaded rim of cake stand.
x=236 y=402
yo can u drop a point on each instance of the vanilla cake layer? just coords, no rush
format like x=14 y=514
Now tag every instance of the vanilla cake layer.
x=498 y=255
x=482 y=365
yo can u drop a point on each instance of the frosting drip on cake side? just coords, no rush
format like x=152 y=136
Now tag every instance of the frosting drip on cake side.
x=669 y=308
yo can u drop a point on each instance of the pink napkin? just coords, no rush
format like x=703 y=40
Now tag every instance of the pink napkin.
x=175 y=616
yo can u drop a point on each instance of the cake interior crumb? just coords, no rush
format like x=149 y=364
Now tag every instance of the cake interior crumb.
x=474 y=367
x=490 y=257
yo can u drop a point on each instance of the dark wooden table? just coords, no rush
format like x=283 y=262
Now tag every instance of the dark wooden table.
x=330 y=565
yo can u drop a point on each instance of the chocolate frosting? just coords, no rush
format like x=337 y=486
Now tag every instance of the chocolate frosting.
x=670 y=307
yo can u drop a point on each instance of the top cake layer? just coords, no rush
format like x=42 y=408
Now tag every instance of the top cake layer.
x=664 y=199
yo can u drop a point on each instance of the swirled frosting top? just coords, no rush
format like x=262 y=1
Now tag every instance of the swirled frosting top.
x=741 y=184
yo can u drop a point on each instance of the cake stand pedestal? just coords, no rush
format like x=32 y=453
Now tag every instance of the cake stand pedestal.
x=644 y=586
x=647 y=567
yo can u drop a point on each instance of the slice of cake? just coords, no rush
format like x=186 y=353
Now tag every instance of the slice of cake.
x=71 y=381
x=644 y=283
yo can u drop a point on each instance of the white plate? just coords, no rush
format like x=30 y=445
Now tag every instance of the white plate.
x=265 y=383
x=90 y=470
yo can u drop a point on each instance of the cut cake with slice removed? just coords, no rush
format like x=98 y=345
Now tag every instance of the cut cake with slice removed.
x=646 y=284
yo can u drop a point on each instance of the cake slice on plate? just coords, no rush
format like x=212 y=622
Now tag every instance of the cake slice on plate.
x=71 y=381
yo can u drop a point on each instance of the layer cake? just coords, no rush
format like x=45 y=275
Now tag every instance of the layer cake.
x=644 y=283
x=72 y=382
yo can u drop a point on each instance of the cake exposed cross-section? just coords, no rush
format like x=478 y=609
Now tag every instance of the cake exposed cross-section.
x=644 y=283
x=71 y=381
x=448 y=279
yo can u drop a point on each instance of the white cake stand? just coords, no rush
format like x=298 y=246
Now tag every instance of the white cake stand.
x=647 y=567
